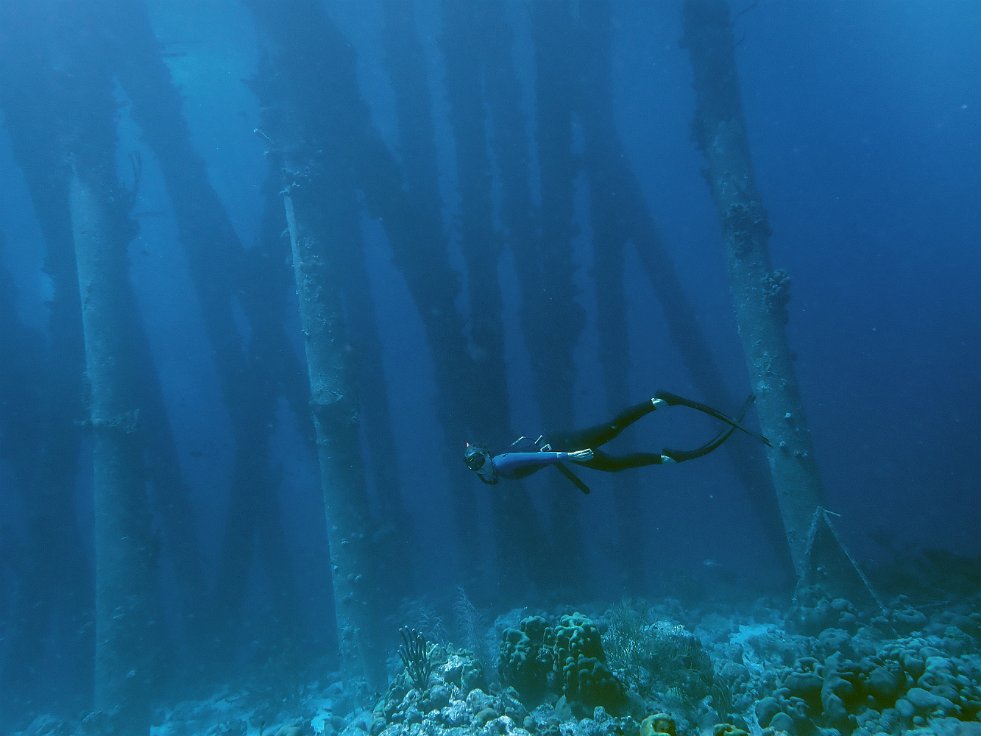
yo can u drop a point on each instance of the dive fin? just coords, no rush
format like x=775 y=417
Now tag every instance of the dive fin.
x=675 y=400
x=681 y=456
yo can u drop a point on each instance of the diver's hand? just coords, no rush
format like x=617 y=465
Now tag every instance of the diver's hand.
x=580 y=456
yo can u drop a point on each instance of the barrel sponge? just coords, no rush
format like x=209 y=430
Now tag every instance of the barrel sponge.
x=588 y=681
x=524 y=663
x=565 y=659
x=575 y=635
x=580 y=663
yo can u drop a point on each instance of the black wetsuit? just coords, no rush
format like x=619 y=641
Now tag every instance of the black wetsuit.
x=530 y=456
x=598 y=435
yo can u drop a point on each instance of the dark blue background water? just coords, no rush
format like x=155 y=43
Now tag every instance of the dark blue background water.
x=864 y=120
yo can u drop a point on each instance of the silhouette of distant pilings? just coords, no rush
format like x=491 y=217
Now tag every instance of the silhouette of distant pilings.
x=414 y=232
x=56 y=581
x=478 y=243
x=405 y=64
x=556 y=318
x=519 y=231
x=218 y=272
x=469 y=58
x=604 y=168
x=43 y=598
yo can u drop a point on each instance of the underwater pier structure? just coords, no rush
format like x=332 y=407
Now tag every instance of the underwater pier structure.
x=760 y=294
x=237 y=381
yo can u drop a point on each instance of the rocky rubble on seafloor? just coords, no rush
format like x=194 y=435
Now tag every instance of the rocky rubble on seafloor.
x=825 y=669
x=821 y=668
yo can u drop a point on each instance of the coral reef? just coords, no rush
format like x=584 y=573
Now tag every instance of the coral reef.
x=823 y=668
x=565 y=659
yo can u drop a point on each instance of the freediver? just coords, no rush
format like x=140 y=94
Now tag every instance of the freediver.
x=580 y=447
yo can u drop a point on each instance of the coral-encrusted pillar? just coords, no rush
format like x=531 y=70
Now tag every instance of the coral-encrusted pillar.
x=759 y=292
x=124 y=558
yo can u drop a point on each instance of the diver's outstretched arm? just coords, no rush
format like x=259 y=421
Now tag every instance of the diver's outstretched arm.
x=680 y=456
x=675 y=400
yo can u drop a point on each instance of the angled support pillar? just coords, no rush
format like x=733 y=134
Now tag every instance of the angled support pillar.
x=759 y=292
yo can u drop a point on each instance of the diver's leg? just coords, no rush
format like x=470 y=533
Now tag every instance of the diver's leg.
x=675 y=400
x=600 y=434
x=616 y=463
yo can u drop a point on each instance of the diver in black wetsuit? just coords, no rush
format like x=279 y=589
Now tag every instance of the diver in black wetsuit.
x=580 y=447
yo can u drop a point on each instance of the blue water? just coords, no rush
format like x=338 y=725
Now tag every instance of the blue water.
x=863 y=120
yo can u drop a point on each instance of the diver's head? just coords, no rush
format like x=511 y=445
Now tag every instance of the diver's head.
x=478 y=459
x=475 y=456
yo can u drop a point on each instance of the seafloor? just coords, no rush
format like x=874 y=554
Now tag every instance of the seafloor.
x=636 y=668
